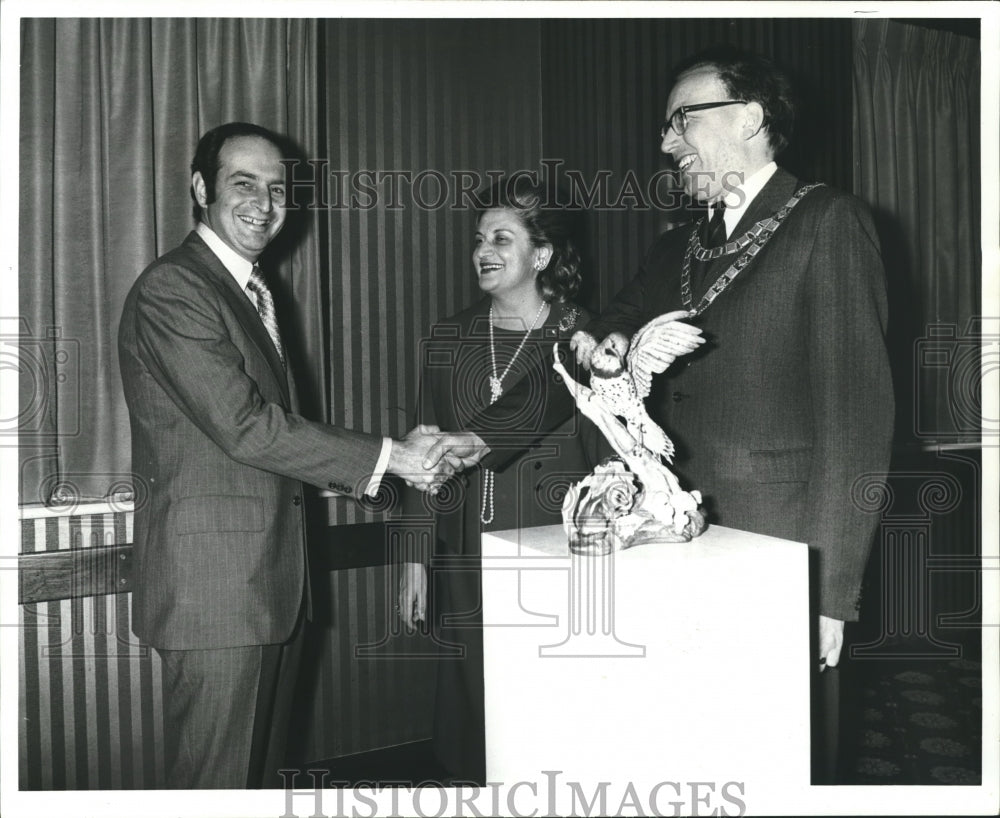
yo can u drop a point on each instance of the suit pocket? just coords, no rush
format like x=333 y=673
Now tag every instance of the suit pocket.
x=781 y=465
x=219 y=512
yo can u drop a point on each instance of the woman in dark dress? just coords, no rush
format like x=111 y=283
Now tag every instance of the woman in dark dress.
x=527 y=266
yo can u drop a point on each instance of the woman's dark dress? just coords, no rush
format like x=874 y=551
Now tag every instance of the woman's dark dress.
x=528 y=491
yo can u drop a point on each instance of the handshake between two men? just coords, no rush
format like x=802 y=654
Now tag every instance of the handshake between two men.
x=426 y=457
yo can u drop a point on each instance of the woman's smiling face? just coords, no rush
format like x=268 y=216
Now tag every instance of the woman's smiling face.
x=503 y=255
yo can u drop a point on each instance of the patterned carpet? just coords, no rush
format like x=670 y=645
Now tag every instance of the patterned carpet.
x=914 y=722
x=918 y=722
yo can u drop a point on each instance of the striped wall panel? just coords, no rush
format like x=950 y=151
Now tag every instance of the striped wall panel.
x=91 y=698
x=90 y=694
x=419 y=97
x=61 y=532
x=367 y=683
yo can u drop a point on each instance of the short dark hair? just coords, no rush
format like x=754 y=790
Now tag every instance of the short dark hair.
x=753 y=78
x=547 y=222
x=206 y=155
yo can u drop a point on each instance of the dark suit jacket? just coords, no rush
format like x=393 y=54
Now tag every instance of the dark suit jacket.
x=790 y=401
x=534 y=462
x=218 y=448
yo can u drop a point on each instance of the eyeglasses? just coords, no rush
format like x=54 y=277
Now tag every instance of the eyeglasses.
x=678 y=119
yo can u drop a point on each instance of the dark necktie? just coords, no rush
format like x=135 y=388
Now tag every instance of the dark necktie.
x=265 y=308
x=715 y=235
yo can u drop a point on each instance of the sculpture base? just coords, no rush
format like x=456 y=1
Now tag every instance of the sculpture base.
x=595 y=544
x=613 y=509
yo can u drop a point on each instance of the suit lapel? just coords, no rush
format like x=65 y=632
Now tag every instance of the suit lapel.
x=773 y=195
x=241 y=307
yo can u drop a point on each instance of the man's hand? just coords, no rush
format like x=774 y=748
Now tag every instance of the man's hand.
x=459 y=450
x=583 y=344
x=408 y=459
x=412 y=605
x=831 y=640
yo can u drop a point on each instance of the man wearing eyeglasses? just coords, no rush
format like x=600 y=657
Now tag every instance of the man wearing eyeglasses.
x=789 y=402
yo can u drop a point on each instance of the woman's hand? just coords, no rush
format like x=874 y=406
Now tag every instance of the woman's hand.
x=412 y=600
x=459 y=450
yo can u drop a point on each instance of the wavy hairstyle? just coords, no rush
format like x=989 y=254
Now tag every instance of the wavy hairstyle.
x=546 y=223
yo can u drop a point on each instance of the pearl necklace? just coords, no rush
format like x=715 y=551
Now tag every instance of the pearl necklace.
x=496 y=390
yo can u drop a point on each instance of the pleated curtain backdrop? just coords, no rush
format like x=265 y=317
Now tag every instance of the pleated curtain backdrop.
x=917 y=145
x=111 y=111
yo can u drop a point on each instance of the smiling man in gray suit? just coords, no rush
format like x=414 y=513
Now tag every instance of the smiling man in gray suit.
x=790 y=400
x=221 y=588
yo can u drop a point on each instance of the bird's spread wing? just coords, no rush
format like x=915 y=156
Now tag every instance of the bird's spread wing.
x=654 y=347
x=651 y=435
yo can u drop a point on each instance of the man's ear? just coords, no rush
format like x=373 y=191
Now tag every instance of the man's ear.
x=753 y=119
x=199 y=188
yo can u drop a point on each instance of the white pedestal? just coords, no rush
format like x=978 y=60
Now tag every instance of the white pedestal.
x=663 y=663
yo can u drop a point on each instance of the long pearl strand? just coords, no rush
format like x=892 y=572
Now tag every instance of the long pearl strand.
x=496 y=390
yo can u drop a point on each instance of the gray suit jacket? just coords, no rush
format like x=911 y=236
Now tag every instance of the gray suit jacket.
x=221 y=456
x=790 y=401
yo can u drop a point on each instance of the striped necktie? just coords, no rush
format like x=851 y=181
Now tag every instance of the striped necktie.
x=265 y=308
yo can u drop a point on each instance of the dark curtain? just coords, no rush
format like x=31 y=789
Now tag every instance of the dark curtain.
x=427 y=99
x=110 y=113
x=917 y=146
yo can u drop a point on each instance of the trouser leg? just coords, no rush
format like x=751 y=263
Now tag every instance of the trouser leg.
x=270 y=739
x=825 y=725
x=210 y=713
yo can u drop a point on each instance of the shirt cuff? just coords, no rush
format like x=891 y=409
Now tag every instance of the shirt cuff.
x=380 y=466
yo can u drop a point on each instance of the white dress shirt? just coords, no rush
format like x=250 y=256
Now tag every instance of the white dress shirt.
x=240 y=270
x=739 y=198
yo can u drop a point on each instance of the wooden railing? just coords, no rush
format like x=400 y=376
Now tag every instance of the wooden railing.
x=91 y=702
